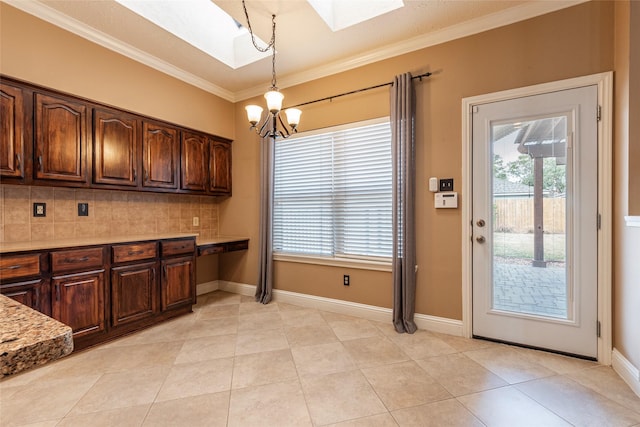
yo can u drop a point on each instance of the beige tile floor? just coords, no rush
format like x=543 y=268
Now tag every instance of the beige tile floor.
x=234 y=362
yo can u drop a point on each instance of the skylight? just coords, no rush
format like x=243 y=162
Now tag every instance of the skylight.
x=203 y=25
x=340 y=14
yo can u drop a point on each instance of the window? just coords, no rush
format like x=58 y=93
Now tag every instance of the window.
x=332 y=193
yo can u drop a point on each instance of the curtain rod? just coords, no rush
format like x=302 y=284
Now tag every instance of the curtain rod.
x=330 y=98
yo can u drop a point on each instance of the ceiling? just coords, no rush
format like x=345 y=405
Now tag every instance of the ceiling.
x=307 y=48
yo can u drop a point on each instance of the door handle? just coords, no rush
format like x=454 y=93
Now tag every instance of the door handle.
x=480 y=239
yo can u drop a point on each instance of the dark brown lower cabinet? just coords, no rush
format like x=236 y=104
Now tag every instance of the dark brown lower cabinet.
x=134 y=295
x=78 y=301
x=28 y=292
x=104 y=291
x=177 y=282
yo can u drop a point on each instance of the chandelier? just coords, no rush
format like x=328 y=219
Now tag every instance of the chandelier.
x=273 y=126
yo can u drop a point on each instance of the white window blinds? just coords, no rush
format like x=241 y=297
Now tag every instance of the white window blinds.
x=332 y=193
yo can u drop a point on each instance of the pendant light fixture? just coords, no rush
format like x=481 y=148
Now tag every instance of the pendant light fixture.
x=273 y=126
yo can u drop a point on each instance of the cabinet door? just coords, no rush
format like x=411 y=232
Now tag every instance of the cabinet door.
x=115 y=148
x=160 y=153
x=28 y=293
x=194 y=162
x=78 y=301
x=178 y=282
x=220 y=167
x=12 y=124
x=61 y=139
x=133 y=293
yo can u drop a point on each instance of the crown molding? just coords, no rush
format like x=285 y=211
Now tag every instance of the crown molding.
x=468 y=28
x=74 y=26
x=474 y=26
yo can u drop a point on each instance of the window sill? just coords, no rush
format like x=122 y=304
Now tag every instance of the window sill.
x=336 y=262
x=632 y=221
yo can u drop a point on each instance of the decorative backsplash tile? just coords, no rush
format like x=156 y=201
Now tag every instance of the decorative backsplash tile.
x=110 y=213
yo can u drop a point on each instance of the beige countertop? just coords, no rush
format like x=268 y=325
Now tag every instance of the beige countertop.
x=7 y=247
x=29 y=338
x=38 y=245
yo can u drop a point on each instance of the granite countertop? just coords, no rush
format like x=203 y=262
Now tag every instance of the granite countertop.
x=38 y=245
x=29 y=338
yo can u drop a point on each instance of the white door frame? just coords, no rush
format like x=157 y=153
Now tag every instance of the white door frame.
x=604 y=81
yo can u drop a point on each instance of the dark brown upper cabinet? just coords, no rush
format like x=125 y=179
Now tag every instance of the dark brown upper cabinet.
x=60 y=139
x=220 y=167
x=12 y=119
x=160 y=155
x=194 y=156
x=115 y=148
x=55 y=139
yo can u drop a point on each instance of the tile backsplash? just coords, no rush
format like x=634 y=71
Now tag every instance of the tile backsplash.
x=111 y=213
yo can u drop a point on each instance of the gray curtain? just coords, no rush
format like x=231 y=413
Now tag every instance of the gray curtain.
x=404 y=243
x=265 y=279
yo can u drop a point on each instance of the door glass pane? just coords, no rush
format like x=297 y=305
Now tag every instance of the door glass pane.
x=529 y=216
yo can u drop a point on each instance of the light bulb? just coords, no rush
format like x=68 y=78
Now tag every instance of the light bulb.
x=254 y=114
x=274 y=101
x=293 y=117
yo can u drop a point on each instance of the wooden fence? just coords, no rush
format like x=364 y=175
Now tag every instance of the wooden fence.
x=516 y=215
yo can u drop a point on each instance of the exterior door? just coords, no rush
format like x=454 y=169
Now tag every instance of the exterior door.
x=535 y=219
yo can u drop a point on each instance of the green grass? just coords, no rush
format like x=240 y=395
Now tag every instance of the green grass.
x=513 y=245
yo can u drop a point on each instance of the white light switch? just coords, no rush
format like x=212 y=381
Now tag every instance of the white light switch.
x=433 y=184
x=446 y=199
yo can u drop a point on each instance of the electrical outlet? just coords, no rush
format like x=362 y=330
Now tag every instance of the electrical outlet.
x=83 y=209
x=446 y=184
x=345 y=279
x=196 y=221
x=39 y=209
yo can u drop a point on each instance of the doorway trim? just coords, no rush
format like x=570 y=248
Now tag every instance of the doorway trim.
x=604 y=81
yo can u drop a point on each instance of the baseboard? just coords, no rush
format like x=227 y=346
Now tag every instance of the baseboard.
x=626 y=370
x=365 y=311
x=206 y=287
x=237 y=288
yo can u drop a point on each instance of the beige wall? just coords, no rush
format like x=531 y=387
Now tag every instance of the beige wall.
x=626 y=241
x=634 y=109
x=41 y=53
x=35 y=51
x=569 y=43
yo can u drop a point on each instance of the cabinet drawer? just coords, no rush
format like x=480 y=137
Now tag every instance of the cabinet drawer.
x=19 y=266
x=134 y=252
x=79 y=259
x=177 y=247
x=237 y=246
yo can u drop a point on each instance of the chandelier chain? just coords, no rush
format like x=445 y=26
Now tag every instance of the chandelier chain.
x=271 y=45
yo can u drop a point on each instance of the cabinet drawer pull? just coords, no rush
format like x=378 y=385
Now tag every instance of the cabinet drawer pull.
x=135 y=175
x=72 y=260
x=12 y=267
x=18 y=162
x=57 y=292
x=135 y=253
x=40 y=163
x=146 y=176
